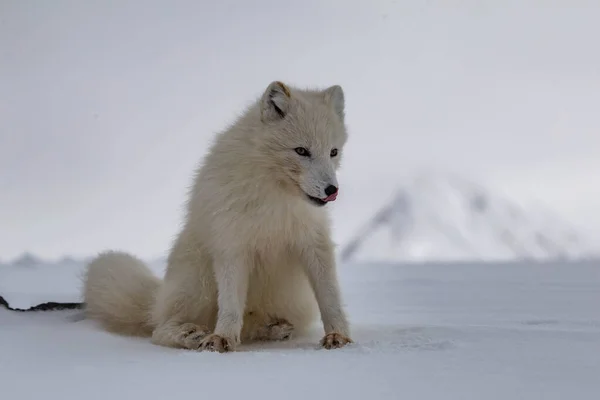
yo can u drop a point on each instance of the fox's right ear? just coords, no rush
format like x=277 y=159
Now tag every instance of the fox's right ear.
x=335 y=96
x=275 y=102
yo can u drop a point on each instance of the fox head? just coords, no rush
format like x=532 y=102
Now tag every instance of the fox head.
x=306 y=135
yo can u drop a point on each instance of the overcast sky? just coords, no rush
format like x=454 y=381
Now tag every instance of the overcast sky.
x=106 y=107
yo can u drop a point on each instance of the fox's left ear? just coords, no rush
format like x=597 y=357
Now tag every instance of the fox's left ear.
x=334 y=95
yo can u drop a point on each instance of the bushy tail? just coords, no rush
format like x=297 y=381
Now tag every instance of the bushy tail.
x=119 y=291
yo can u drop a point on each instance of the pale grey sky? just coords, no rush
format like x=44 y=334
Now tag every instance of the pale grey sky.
x=106 y=107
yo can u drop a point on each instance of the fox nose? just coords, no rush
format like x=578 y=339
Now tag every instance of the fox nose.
x=330 y=190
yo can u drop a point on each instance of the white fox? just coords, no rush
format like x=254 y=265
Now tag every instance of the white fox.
x=254 y=259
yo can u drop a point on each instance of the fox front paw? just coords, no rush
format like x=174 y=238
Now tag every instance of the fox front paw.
x=335 y=341
x=217 y=343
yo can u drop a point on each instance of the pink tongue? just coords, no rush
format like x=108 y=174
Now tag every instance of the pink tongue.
x=331 y=197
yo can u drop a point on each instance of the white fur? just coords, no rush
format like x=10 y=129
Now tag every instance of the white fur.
x=254 y=259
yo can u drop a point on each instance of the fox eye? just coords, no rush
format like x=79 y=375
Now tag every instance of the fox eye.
x=302 y=151
x=333 y=153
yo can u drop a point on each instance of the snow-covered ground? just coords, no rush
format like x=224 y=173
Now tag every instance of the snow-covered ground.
x=447 y=331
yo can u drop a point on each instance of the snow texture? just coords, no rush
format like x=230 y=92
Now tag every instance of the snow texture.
x=447 y=331
x=441 y=217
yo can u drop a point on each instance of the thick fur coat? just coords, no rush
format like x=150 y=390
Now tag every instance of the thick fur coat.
x=254 y=259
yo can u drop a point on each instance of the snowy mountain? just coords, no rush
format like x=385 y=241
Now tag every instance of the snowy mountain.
x=437 y=217
x=27 y=260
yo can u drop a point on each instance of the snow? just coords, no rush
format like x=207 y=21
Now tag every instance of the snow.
x=438 y=216
x=422 y=331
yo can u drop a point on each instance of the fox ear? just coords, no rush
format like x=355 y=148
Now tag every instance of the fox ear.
x=334 y=95
x=275 y=102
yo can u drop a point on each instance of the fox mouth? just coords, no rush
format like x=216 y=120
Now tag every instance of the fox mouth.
x=316 y=201
x=321 y=202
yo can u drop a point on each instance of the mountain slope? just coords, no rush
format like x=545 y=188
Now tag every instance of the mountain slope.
x=441 y=217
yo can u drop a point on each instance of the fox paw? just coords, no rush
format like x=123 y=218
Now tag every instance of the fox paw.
x=217 y=343
x=279 y=329
x=192 y=336
x=335 y=341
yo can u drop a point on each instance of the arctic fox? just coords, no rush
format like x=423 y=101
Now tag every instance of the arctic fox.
x=254 y=259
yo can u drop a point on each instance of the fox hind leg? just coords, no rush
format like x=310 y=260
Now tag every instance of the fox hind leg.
x=186 y=335
x=266 y=328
